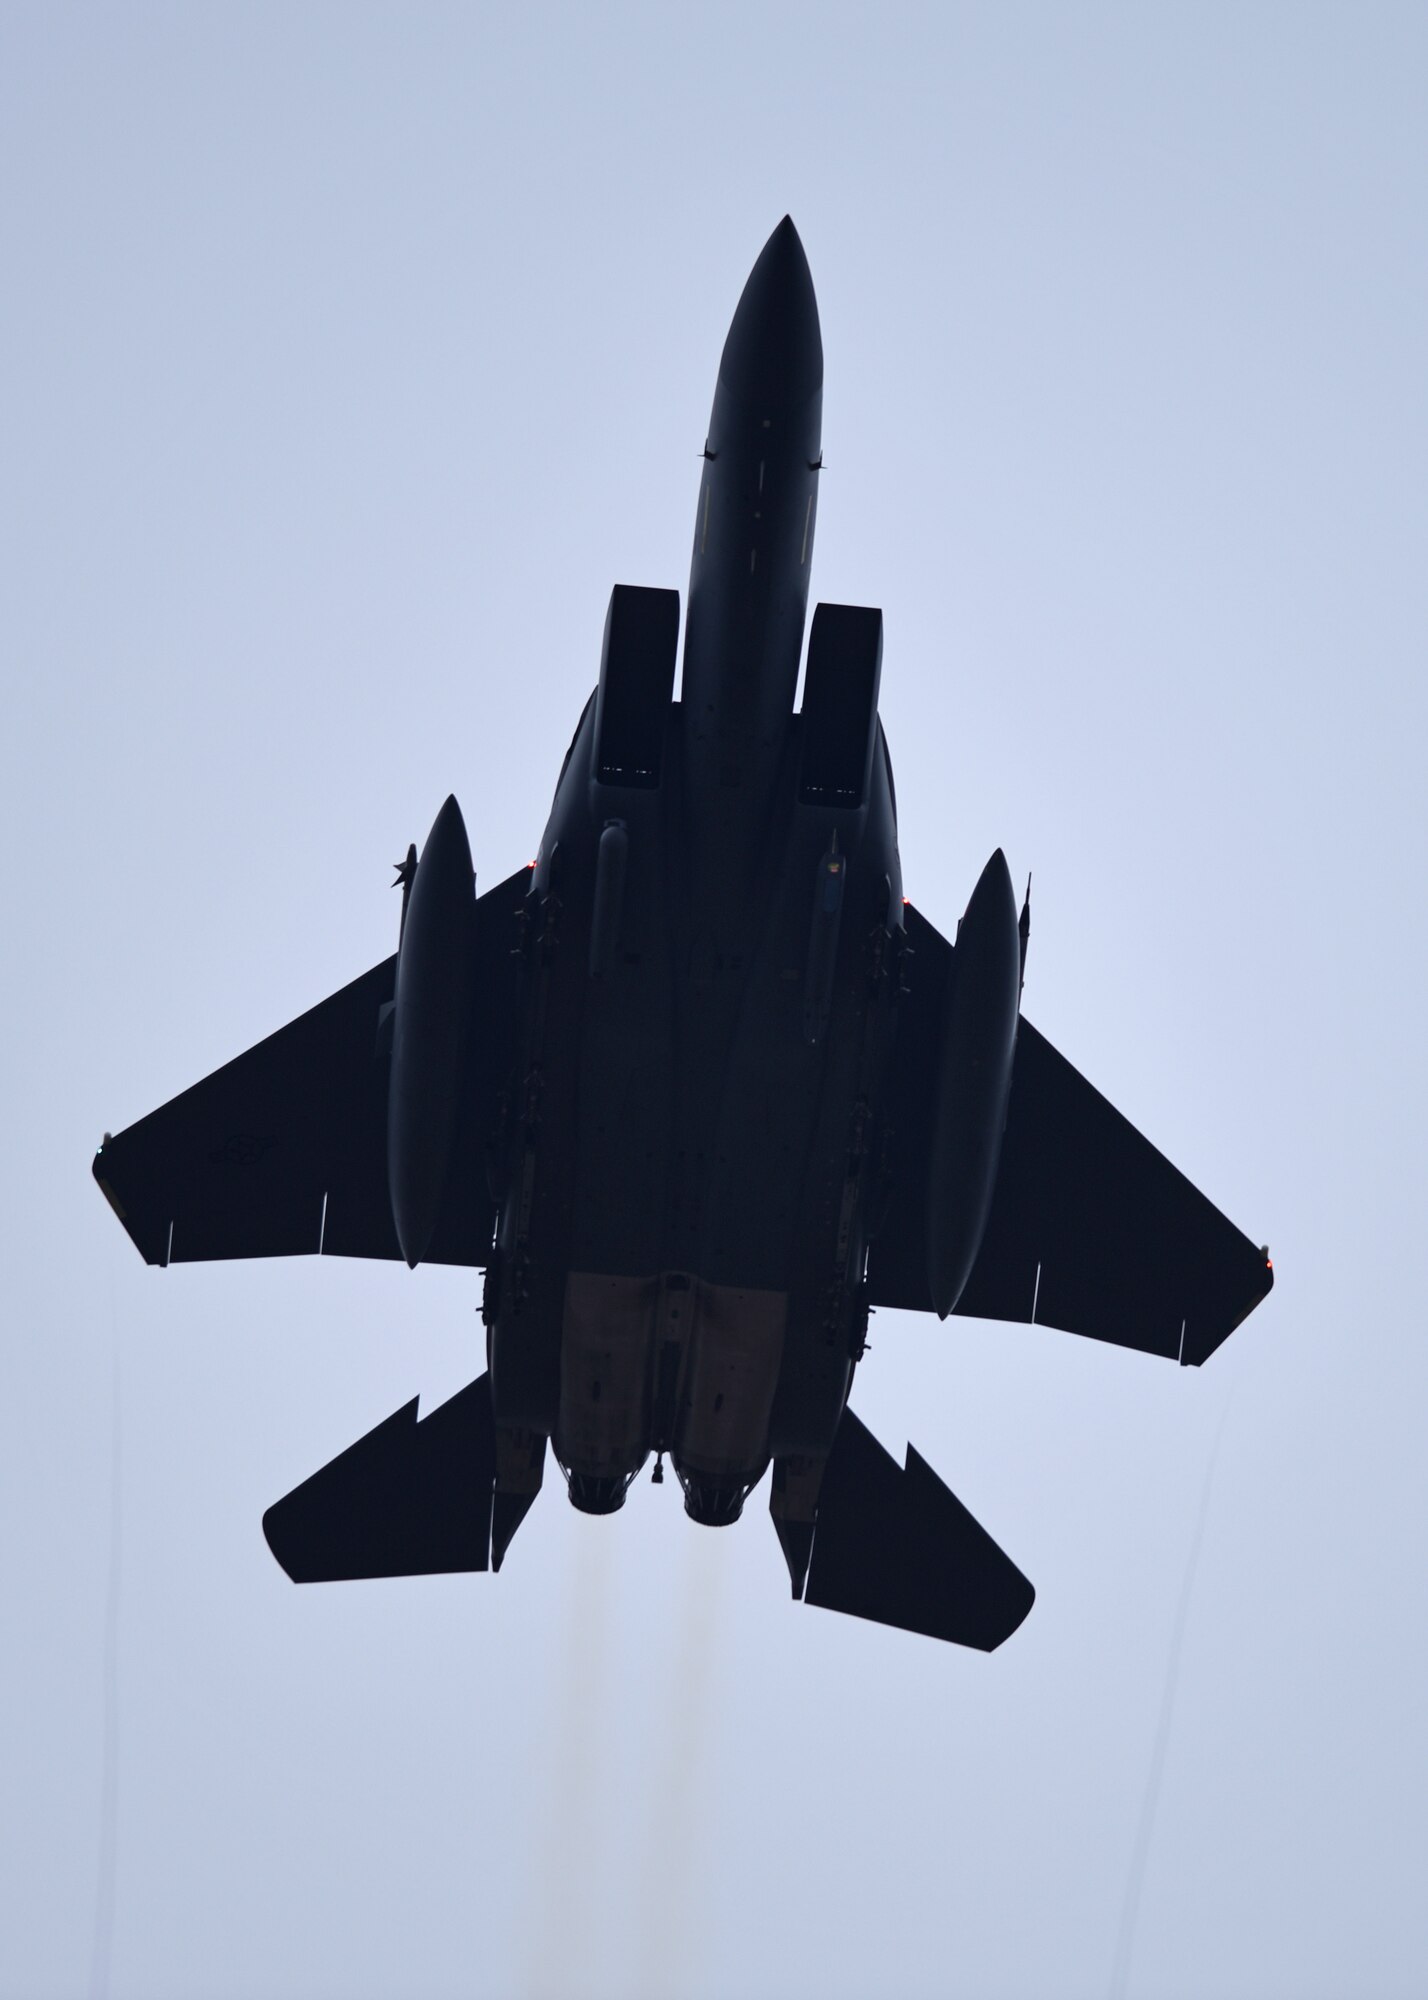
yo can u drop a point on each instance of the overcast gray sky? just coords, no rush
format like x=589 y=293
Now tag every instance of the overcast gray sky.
x=349 y=356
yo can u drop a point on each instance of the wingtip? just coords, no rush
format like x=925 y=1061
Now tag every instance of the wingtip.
x=273 y=1549
x=1030 y=1600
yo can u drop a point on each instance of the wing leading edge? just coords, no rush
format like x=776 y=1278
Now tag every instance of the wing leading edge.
x=1091 y=1229
x=283 y=1151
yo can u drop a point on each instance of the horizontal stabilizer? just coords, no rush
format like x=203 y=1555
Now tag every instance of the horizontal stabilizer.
x=896 y=1546
x=409 y=1499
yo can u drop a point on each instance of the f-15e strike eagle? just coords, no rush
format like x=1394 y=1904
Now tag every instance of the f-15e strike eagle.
x=696 y=1090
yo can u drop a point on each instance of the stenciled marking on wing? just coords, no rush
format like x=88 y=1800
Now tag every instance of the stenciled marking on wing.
x=242 y=1149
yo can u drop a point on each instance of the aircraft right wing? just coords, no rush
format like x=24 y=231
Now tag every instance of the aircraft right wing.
x=1091 y=1229
x=283 y=1151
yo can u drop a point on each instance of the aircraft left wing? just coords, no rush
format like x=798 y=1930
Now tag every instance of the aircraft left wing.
x=1091 y=1229
x=283 y=1151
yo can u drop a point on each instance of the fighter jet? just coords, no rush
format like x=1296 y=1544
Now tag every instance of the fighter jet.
x=697 y=1090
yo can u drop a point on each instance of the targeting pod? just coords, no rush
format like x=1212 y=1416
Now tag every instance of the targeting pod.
x=973 y=1082
x=430 y=1023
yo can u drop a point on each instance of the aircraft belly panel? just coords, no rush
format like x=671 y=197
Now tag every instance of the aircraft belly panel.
x=731 y=1373
x=605 y=1373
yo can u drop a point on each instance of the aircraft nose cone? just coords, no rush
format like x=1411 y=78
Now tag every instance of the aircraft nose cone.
x=774 y=352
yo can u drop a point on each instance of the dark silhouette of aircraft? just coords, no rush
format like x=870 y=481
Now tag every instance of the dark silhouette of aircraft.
x=697 y=1090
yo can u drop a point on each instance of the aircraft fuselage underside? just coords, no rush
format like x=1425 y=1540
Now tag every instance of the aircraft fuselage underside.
x=688 y=1148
